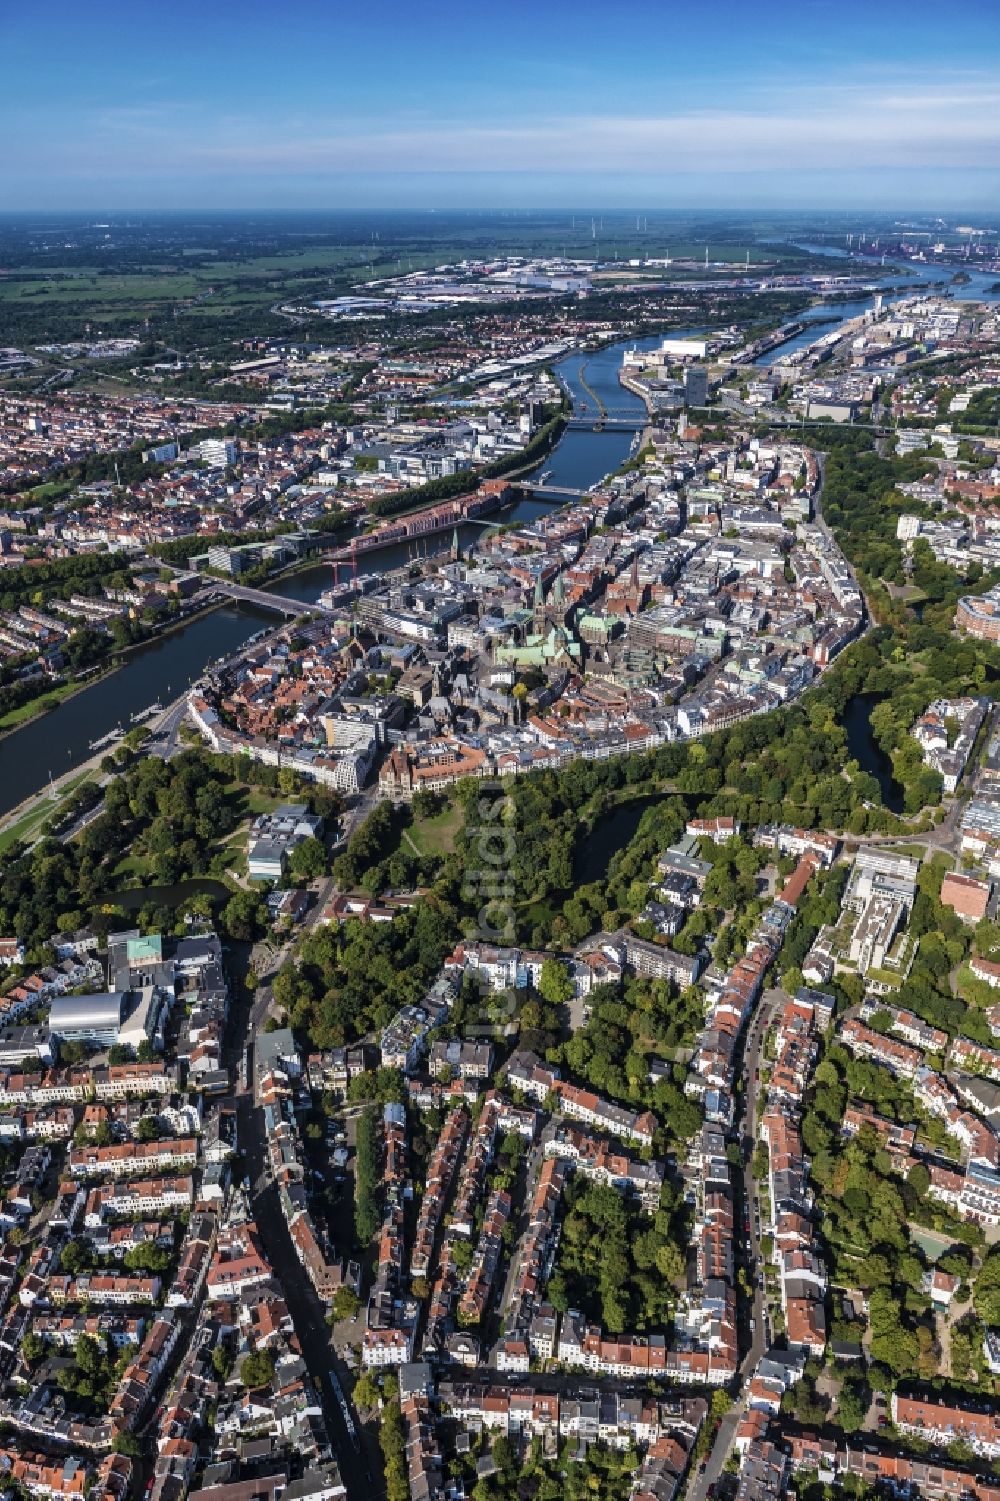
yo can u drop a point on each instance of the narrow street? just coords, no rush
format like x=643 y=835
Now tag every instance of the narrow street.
x=760 y=1025
x=746 y=1128
x=357 y=1465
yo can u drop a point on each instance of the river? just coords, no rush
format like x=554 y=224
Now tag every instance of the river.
x=579 y=460
x=172 y=896
x=976 y=289
x=59 y=741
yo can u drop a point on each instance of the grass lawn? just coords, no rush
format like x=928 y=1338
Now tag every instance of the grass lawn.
x=36 y=706
x=24 y=827
x=100 y=290
x=253 y=800
x=437 y=835
x=889 y=977
x=918 y=851
x=231 y=857
x=264 y=802
x=974 y=992
x=51 y=490
x=28 y=825
x=538 y=913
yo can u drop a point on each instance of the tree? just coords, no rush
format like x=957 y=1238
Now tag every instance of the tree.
x=426 y=804
x=257 y=1370
x=74 y=1258
x=32 y=1347
x=503 y=1452
x=852 y=1408
x=366 y=1391
x=462 y=1253
x=151 y=1259
x=554 y=984
x=919 y=1179
x=89 y=1356
x=393 y=1443
x=671 y=1263
x=367 y=1175
x=345 y=1304
x=222 y=1362
x=307 y=860
x=243 y=916
x=986 y=1296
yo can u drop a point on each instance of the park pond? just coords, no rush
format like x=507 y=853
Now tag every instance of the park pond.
x=865 y=749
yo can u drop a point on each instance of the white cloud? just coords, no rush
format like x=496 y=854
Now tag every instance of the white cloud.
x=893 y=122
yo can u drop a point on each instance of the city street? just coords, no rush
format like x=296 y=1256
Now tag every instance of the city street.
x=746 y=1133
x=308 y=1313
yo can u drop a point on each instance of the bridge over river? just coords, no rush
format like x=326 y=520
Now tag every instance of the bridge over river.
x=608 y=422
x=552 y=492
x=261 y=598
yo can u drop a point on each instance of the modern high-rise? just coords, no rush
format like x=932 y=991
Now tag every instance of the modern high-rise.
x=695 y=386
x=218 y=452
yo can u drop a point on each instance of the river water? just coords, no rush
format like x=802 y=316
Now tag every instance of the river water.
x=60 y=740
x=579 y=460
x=613 y=830
x=976 y=289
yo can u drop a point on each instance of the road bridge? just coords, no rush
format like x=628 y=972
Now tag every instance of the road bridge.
x=553 y=492
x=607 y=424
x=261 y=598
x=629 y=409
x=540 y=492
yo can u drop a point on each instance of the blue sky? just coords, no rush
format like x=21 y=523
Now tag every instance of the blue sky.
x=169 y=104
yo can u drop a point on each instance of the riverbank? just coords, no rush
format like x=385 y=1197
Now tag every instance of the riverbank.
x=160 y=669
x=13 y=720
x=25 y=820
x=541 y=446
x=56 y=739
x=60 y=695
x=629 y=383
